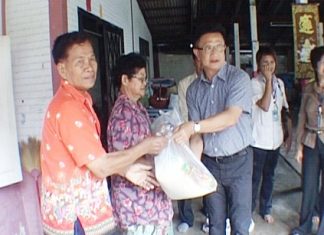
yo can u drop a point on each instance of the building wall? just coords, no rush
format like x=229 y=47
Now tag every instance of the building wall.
x=27 y=24
x=119 y=14
x=175 y=66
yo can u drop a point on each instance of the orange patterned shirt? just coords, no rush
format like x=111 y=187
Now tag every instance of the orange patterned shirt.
x=70 y=140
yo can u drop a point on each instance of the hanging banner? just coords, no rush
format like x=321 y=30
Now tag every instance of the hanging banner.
x=305 y=22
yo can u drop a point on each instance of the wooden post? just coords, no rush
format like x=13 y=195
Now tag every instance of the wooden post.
x=320 y=40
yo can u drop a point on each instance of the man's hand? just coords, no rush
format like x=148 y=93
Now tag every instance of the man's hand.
x=183 y=133
x=141 y=175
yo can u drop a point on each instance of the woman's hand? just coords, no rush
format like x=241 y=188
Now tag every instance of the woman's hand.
x=141 y=175
x=287 y=143
x=299 y=156
x=267 y=72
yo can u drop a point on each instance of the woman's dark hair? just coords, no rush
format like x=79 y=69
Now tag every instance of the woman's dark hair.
x=127 y=65
x=315 y=56
x=264 y=51
x=208 y=28
x=65 y=41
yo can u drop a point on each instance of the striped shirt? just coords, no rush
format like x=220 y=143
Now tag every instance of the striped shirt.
x=205 y=98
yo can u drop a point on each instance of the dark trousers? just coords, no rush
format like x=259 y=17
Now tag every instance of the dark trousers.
x=264 y=164
x=313 y=164
x=185 y=212
x=321 y=227
x=233 y=195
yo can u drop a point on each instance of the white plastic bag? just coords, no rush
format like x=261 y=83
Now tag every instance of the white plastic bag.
x=179 y=172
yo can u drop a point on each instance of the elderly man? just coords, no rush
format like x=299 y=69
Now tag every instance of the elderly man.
x=74 y=163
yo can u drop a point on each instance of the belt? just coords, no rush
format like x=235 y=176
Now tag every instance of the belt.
x=229 y=158
x=315 y=131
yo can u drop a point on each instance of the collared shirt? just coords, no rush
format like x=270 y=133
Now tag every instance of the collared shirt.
x=308 y=116
x=70 y=140
x=230 y=87
x=128 y=125
x=267 y=129
x=182 y=89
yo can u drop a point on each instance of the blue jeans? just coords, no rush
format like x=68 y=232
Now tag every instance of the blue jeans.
x=233 y=196
x=185 y=212
x=313 y=164
x=264 y=164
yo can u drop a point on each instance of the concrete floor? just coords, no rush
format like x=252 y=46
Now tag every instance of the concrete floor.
x=286 y=202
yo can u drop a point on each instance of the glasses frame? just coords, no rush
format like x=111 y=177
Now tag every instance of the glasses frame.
x=141 y=79
x=215 y=47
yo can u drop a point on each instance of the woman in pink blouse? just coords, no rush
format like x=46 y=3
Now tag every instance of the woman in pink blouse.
x=137 y=211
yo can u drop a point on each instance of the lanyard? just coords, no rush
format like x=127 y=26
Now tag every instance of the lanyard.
x=275 y=84
x=320 y=98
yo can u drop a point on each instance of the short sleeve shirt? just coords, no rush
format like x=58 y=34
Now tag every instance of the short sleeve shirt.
x=267 y=131
x=182 y=90
x=128 y=125
x=308 y=116
x=70 y=140
x=205 y=98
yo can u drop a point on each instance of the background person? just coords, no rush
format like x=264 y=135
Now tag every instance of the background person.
x=186 y=214
x=310 y=143
x=137 y=211
x=73 y=162
x=269 y=99
x=219 y=106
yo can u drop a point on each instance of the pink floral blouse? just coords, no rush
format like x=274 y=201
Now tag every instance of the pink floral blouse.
x=128 y=125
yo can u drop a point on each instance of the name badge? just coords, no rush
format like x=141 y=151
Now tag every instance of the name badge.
x=275 y=114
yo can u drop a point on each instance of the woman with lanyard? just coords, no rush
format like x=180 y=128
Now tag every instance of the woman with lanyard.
x=310 y=143
x=268 y=100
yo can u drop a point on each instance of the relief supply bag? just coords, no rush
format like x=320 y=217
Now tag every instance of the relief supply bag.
x=179 y=172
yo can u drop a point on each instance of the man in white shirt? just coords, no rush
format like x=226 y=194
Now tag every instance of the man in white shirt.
x=186 y=215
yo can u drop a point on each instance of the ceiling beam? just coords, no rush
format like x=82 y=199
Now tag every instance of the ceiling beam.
x=168 y=15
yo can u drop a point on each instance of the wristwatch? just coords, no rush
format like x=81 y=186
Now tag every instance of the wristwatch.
x=196 y=127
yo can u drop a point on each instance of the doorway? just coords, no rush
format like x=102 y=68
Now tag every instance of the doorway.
x=108 y=41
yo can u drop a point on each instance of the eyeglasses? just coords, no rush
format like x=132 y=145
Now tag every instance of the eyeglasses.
x=209 y=48
x=142 y=79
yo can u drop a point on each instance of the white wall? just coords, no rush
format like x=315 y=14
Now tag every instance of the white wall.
x=141 y=30
x=175 y=66
x=27 y=24
x=118 y=13
x=10 y=171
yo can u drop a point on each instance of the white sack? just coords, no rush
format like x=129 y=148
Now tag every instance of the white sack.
x=179 y=172
x=181 y=175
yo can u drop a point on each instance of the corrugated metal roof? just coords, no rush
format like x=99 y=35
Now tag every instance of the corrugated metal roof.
x=172 y=22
